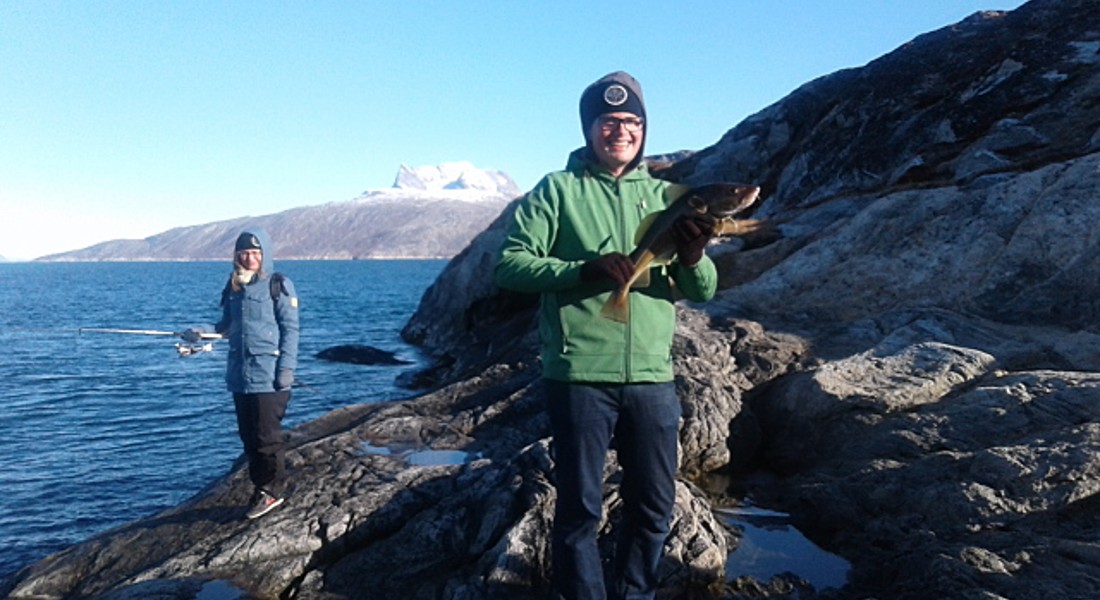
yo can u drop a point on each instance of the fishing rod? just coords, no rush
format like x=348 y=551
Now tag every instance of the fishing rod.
x=79 y=330
x=183 y=349
x=180 y=334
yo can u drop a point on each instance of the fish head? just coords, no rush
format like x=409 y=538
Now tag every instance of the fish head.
x=720 y=200
x=715 y=201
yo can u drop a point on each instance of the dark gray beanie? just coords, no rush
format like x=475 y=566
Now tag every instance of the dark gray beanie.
x=614 y=92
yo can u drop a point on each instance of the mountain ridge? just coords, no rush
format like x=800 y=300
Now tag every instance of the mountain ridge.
x=458 y=199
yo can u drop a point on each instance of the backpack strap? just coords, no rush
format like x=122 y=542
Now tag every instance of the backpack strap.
x=277 y=285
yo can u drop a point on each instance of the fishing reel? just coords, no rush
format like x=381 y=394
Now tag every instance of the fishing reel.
x=184 y=349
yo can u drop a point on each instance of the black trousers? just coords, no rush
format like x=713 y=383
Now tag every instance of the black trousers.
x=260 y=424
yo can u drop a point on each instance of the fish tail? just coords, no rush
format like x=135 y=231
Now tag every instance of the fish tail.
x=617 y=307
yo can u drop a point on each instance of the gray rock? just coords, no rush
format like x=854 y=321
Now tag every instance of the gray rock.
x=951 y=474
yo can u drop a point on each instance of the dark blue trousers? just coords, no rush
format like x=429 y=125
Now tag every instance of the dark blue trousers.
x=260 y=425
x=644 y=420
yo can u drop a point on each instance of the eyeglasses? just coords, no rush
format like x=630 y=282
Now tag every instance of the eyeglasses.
x=631 y=124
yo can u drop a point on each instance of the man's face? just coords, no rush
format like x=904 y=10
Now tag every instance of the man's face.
x=250 y=259
x=617 y=139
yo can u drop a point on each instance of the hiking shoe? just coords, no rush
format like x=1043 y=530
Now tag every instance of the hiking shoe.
x=263 y=504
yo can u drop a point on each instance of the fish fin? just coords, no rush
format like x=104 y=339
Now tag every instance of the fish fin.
x=642 y=280
x=644 y=226
x=664 y=258
x=675 y=190
x=728 y=226
x=617 y=307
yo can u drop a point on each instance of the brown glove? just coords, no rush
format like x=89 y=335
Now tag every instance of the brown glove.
x=691 y=234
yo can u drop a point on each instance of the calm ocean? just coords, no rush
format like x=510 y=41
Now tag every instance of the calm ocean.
x=99 y=429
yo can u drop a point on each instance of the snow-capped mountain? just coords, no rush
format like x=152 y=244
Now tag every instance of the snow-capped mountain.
x=455 y=176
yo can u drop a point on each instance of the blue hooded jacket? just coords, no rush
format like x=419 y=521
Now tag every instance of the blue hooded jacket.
x=262 y=330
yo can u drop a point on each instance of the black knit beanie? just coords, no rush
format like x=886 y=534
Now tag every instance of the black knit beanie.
x=614 y=92
x=247 y=241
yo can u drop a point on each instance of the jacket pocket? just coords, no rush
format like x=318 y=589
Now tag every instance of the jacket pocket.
x=261 y=333
x=260 y=369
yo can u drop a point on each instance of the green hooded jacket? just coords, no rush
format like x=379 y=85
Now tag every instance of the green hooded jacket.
x=573 y=216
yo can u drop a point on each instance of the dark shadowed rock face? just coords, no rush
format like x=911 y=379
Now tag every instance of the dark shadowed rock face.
x=910 y=372
x=464 y=320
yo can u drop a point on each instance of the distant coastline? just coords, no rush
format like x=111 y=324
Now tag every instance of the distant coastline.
x=431 y=212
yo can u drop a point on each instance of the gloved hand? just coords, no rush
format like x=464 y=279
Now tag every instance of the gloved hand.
x=284 y=379
x=691 y=234
x=192 y=335
x=615 y=266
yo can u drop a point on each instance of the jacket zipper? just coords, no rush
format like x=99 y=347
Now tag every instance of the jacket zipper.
x=628 y=236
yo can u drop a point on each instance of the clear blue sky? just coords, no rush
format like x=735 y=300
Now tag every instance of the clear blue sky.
x=121 y=119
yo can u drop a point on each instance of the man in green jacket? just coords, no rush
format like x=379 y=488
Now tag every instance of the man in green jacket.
x=569 y=243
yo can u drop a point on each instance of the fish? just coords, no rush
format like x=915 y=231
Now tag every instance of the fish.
x=654 y=243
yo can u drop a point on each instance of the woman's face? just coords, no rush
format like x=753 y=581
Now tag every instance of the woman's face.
x=250 y=260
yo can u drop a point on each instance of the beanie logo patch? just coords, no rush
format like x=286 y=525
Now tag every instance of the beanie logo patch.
x=615 y=95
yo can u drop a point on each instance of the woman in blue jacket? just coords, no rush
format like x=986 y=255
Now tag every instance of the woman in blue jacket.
x=260 y=321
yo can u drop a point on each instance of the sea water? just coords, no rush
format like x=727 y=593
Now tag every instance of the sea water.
x=99 y=429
